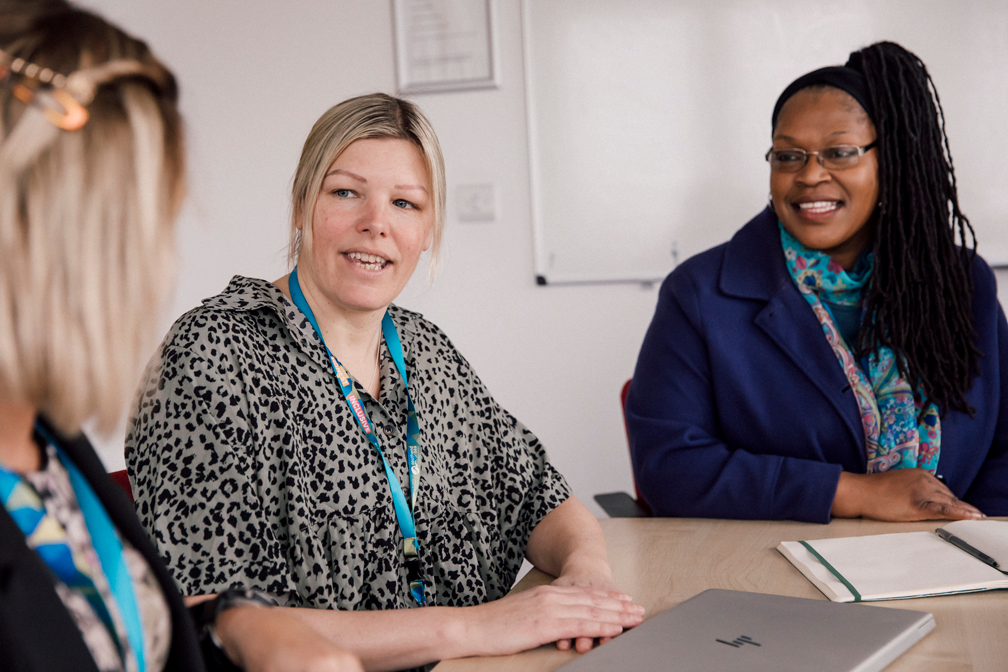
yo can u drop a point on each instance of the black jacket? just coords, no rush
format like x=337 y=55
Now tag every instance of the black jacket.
x=36 y=632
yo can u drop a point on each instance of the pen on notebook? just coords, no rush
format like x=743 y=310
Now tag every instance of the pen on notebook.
x=962 y=545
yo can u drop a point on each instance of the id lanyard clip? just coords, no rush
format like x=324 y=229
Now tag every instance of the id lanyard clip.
x=418 y=587
x=405 y=511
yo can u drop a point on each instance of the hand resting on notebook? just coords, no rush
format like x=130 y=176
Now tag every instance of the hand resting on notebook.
x=900 y=495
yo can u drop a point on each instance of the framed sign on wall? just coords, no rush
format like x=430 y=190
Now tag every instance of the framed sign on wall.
x=444 y=45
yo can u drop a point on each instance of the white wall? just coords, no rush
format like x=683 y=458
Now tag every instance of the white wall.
x=254 y=77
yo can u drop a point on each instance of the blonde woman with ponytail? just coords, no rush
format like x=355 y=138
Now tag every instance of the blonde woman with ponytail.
x=91 y=178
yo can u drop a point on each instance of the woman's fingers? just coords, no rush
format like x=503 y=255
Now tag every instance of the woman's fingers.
x=935 y=500
x=574 y=596
x=613 y=596
x=584 y=615
x=582 y=645
x=949 y=507
x=573 y=617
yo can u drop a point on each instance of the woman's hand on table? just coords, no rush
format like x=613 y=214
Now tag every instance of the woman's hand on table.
x=554 y=613
x=274 y=640
x=568 y=543
x=593 y=574
x=899 y=495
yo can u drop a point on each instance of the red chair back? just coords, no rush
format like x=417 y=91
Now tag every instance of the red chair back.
x=122 y=480
x=622 y=399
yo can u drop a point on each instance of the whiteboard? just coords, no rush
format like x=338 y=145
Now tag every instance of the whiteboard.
x=648 y=119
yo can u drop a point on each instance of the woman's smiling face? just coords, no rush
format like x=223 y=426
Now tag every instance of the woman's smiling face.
x=372 y=221
x=827 y=210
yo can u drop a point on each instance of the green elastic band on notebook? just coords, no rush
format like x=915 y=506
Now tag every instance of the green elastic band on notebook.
x=857 y=595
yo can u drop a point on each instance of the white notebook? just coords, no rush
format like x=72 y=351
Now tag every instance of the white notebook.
x=903 y=566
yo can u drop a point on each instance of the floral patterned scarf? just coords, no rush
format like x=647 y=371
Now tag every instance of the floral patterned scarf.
x=894 y=438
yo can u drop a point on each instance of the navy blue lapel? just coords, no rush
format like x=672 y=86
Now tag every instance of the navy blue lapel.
x=754 y=268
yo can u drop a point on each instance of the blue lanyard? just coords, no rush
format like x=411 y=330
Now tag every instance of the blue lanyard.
x=405 y=512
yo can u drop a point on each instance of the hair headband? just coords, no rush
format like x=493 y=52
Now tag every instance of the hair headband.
x=847 y=78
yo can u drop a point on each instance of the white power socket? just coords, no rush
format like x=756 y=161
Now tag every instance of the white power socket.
x=475 y=203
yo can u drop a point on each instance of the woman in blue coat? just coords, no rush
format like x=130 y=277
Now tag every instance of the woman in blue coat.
x=845 y=353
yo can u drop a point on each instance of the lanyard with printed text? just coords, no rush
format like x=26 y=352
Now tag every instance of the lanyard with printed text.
x=405 y=512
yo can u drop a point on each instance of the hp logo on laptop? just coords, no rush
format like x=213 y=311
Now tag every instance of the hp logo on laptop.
x=737 y=643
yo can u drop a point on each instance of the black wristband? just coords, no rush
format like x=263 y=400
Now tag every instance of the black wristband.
x=205 y=615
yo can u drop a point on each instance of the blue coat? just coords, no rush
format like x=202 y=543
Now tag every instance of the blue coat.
x=740 y=409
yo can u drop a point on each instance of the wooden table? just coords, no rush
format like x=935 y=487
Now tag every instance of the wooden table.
x=663 y=561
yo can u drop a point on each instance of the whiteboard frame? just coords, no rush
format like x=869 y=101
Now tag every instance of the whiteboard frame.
x=540 y=263
x=992 y=247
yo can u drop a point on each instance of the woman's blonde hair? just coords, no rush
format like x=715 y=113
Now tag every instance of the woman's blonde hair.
x=86 y=237
x=375 y=115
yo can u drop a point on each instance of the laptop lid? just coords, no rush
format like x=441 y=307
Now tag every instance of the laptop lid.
x=729 y=630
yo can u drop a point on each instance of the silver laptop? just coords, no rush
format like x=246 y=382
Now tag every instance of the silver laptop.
x=728 y=630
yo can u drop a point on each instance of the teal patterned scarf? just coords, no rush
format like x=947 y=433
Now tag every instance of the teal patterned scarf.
x=894 y=438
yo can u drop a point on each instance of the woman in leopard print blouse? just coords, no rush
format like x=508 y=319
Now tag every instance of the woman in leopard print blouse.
x=251 y=462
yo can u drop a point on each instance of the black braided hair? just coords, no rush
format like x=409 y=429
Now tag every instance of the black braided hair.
x=919 y=298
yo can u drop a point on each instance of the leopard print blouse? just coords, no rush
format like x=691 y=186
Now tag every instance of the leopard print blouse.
x=249 y=470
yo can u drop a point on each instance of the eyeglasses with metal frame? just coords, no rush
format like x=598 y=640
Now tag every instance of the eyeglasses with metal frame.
x=837 y=157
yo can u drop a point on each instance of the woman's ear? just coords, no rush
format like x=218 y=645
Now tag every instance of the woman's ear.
x=305 y=228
